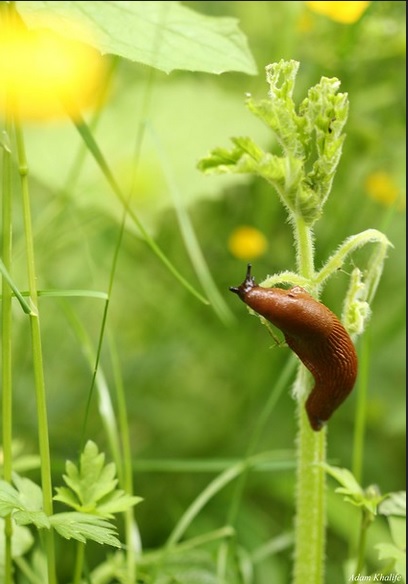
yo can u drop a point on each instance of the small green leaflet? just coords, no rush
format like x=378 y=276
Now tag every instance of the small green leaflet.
x=91 y=487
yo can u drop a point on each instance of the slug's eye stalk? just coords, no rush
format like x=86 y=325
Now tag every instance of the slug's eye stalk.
x=246 y=285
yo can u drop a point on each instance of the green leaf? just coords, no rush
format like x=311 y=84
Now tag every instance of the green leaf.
x=165 y=35
x=243 y=158
x=92 y=486
x=117 y=502
x=394 y=504
x=83 y=526
x=388 y=551
x=345 y=478
x=9 y=499
x=21 y=541
x=394 y=507
x=24 y=503
x=92 y=480
x=30 y=493
x=65 y=495
x=398 y=528
x=369 y=498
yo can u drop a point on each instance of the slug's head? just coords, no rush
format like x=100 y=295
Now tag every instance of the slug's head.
x=246 y=285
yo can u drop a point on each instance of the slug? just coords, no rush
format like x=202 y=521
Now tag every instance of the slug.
x=317 y=337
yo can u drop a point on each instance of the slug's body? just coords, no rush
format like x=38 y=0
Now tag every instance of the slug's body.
x=317 y=337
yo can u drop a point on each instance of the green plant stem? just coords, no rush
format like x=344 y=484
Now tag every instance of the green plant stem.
x=39 y=381
x=310 y=518
x=361 y=409
x=366 y=521
x=125 y=473
x=303 y=236
x=79 y=562
x=310 y=522
x=6 y=352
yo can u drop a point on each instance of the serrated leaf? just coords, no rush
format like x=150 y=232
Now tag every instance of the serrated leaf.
x=37 y=518
x=83 y=526
x=91 y=481
x=92 y=486
x=165 y=35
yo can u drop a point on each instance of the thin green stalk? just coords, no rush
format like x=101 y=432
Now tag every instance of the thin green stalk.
x=190 y=238
x=28 y=571
x=5 y=273
x=6 y=351
x=361 y=410
x=151 y=557
x=366 y=520
x=282 y=383
x=132 y=536
x=303 y=236
x=39 y=381
x=93 y=147
x=211 y=490
x=79 y=562
x=206 y=495
x=310 y=520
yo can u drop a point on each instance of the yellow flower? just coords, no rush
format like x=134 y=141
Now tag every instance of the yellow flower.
x=247 y=243
x=381 y=187
x=344 y=12
x=44 y=74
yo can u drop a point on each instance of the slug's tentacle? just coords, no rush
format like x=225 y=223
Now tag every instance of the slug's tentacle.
x=317 y=337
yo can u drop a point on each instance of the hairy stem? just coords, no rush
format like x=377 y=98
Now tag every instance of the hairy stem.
x=310 y=520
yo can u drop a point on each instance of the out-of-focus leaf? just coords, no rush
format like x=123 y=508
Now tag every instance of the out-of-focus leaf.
x=188 y=115
x=394 y=504
x=164 y=35
x=24 y=503
x=21 y=538
x=387 y=551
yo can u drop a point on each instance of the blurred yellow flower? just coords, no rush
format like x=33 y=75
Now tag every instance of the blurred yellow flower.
x=44 y=74
x=381 y=187
x=247 y=243
x=344 y=12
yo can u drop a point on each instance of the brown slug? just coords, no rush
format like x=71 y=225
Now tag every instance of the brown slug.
x=317 y=337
